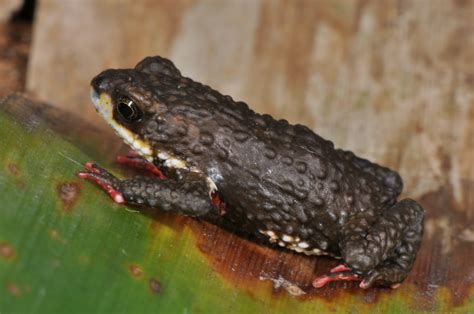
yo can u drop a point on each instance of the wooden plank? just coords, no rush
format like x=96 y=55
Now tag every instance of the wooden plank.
x=8 y=8
x=392 y=81
x=15 y=38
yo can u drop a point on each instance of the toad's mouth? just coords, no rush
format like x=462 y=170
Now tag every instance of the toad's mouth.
x=104 y=106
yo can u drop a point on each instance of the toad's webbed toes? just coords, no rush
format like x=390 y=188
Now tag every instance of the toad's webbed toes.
x=104 y=179
x=344 y=275
x=101 y=173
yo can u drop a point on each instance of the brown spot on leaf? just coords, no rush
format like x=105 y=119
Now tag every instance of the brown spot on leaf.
x=68 y=193
x=135 y=270
x=12 y=169
x=154 y=285
x=54 y=235
x=14 y=289
x=159 y=219
x=83 y=259
x=6 y=251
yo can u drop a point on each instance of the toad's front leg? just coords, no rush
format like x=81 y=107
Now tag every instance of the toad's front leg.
x=188 y=196
x=379 y=251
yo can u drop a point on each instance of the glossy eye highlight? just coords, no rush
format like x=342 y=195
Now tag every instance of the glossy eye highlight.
x=129 y=110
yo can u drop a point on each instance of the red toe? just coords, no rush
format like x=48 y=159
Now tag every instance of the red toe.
x=132 y=159
x=321 y=281
x=343 y=276
x=114 y=194
x=340 y=268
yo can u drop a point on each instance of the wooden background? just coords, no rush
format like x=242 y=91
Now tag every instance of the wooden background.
x=391 y=80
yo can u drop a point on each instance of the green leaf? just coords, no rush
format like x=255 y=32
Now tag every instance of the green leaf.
x=66 y=247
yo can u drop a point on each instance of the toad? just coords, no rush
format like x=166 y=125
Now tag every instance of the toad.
x=216 y=159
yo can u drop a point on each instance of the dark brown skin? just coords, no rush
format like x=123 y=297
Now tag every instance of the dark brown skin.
x=275 y=178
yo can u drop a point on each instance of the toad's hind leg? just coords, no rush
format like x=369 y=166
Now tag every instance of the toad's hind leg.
x=380 y=251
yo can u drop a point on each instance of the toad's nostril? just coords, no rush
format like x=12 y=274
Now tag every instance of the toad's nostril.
x=98 y=82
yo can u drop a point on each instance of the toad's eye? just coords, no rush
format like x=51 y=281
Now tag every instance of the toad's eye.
x=129 y=110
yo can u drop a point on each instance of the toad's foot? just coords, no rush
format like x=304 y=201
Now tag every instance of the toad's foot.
x=344 y=273
x=104 y=179
x=338 y=273
x=132 y=159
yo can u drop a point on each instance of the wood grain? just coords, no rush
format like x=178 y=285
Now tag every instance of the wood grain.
x=391 y=80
